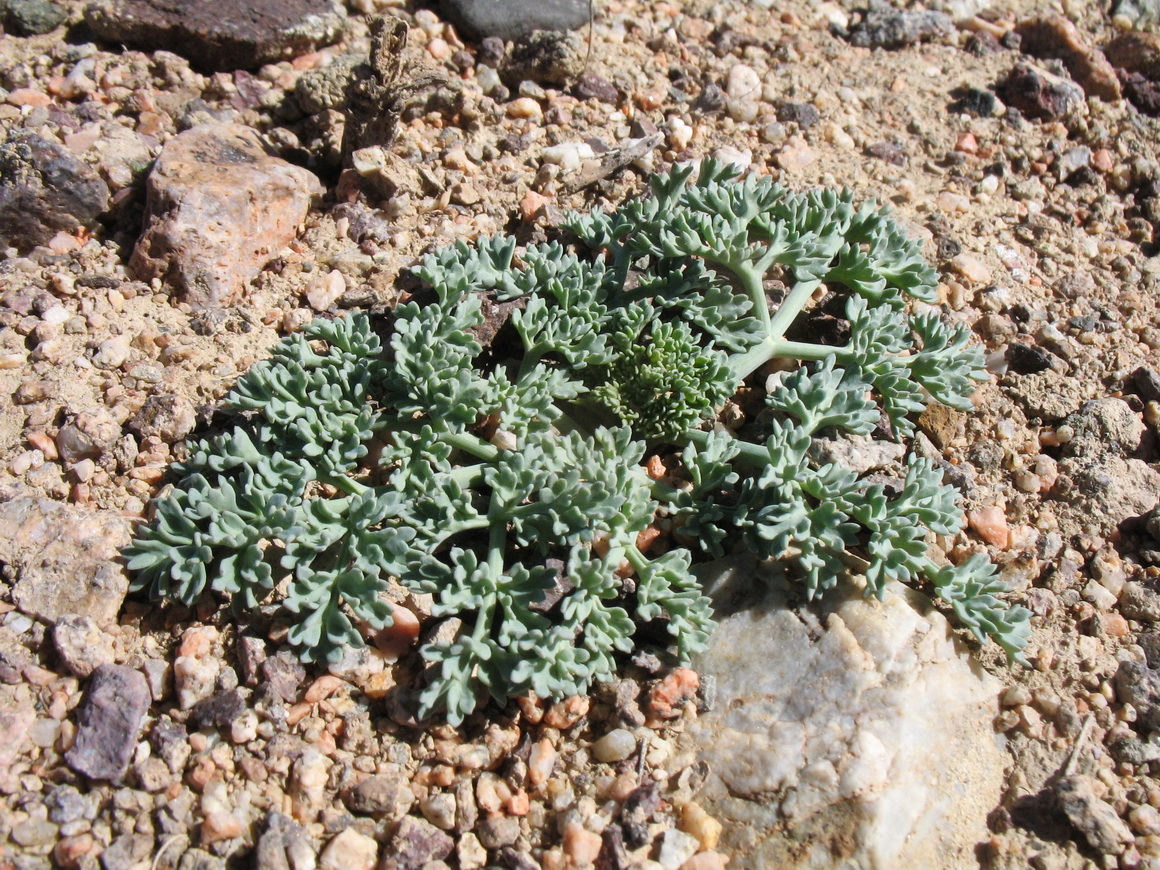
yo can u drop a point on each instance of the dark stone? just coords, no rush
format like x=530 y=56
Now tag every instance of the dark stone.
x=983 y=43
x=594 y=87
x=1139 y=685
x=974 y=101
x=510 y=19
x=546 y=56
x=889 y=28
x=283 y=674
x=219 y=709
x=227 y=35
x=1149 y=641
x=710 y=101
x=45 y=190
x=109 y=722
x=612 y=854
x=491 y=50
x=890 y=152
x=1039 y=94
x=1147 y=383
x=514 y=859
x=170 y=742
x=1024 y=359
x=32 y=17
x=638 y=809
x=802 y=114
x=1143 y=93
x=416 y=842
x=1139 y=602
x=127 y=851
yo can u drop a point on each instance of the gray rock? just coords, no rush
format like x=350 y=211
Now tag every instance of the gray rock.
x=32 y=17
x=862 y=726
x=88 y=435
x=498 y=832
x=1104 y=425
x=44 y=190
x=284 y=845
x=170 y=742
x=127 y=851
x=226 y=35
x=64 y=560
x=219 y=208
x=1139 y=602
x=251 y=656
x=1139 y=685
x=857 y=454
x=384 y=794
x=1092 y=816
x=889 y=28
x=1096 y=493
x=66 y=804
x=415 y=843
x=509 y=19
x=81 y=644
x=199 y=859
x=109 y=722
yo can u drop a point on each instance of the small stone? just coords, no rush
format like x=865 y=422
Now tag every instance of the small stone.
x=439 y=810
x=666 y=697
x=470 y=852
x=541 y=761
x=33 y=17
x=802 y=114
x=34 y=832
x=990 y=524
x=796 y=155
x=1139 y=685
x=81 y=644
x=593 y=87
x=581 y=845
x=282 y=674
x=705 y=861
x=325 y=289
x=221 y=36
x=127 y=851
x=548 y=57
x=698 y=823
x=676 y=848
x=616 y=745
x=970 y=267
x=350 y=850
x=495 y=833
x=525 y=108
x=284 y=845
x=220 y=208
x=109 y=722
x=387 y=795
x=1145 y=820
x=1092 y=816
x=219 y=710
x=416 y=843
x=219 y=825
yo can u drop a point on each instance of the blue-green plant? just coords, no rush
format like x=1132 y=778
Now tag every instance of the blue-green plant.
x=507 y=481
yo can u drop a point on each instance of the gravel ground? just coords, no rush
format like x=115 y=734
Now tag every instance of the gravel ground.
x=1006 y=143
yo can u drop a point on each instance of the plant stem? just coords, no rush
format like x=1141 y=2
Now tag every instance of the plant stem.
x=750 y=454
x=346 y=484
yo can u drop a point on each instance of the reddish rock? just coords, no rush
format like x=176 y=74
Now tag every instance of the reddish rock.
x=219 y=209
x=224 y=35
x=1056 y=37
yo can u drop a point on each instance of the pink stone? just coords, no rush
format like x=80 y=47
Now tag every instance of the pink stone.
x=990 y=524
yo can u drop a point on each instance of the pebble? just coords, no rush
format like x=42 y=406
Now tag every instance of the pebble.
x=439 y=810
x=1145 y=820
x=698 y=823
x=616 y=745
x=581 y=845
x=541 y=761
x=525 y=108
x=81 y=644
x=477 y=19
x=676 y=848
x=1040 y=94
x=417 y=842
x=888 y=28
x=350 y=850
x=323 y=290
x=971 y=268
x=470 y=852
x=795 y=155
x=1092 y=816
x=495 y=833
x=34 y=832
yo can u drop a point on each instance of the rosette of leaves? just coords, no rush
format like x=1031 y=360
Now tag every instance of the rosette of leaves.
x=507 y=483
